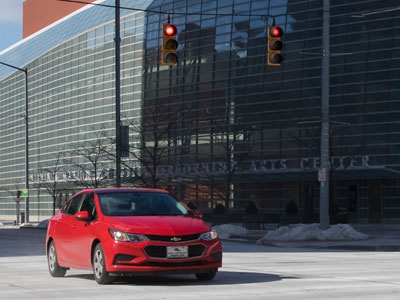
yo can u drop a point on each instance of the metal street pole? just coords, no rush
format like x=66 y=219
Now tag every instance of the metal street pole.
x=325 y=164
x=26 y=148
x=26 y=138
x=117 y=95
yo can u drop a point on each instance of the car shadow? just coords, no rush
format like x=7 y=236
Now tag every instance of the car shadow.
x=222 y=278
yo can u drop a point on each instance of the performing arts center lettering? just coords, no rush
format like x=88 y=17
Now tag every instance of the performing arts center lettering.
x=213 y=169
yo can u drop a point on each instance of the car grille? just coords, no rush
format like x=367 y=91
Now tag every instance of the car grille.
x=161 y=251
x=169 y=238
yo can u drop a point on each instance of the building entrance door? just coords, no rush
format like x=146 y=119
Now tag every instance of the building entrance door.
x=307 y=200
x=375 y=202
x=352 y=203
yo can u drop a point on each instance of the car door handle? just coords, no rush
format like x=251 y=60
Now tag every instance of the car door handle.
x=73 y=226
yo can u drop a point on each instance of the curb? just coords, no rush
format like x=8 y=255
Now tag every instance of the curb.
x=383 y=248
x=33 y=227
x=246 y=237
x=253 y=240
x=22 y=227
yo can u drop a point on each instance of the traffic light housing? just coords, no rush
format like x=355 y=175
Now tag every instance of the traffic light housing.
x=275 y=45
x=169 y=45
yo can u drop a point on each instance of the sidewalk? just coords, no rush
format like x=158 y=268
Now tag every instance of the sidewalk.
x=382 y=237
x=30 y=225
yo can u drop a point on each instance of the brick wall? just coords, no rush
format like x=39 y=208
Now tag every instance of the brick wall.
x=38 y=14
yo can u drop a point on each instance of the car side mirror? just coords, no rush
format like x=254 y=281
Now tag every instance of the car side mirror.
x=197 y=213
x=82 y=216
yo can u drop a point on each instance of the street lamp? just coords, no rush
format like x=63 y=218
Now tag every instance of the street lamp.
x=325 y=161
x=26 y=139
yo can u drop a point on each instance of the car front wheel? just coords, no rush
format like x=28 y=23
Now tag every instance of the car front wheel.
x=54 y=267
x=207 y=276
x=99 y=267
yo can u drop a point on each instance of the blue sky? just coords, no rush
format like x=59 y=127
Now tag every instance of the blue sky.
x=10 y=22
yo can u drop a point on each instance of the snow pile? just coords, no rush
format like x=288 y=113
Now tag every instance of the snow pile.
x=44 y=224
x=226 y=230
x=312 y=232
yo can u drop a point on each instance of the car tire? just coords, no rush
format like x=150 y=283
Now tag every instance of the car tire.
x=52 y=262
x=207 y=276
x=99 y=267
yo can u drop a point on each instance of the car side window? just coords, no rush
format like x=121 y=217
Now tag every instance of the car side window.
x=64 y=209
x=74 y=204
x=88 y=205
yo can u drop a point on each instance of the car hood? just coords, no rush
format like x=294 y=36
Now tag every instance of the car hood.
x=159 y=225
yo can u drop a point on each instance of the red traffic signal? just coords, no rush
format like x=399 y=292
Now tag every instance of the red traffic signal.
x=169 y=45
x=275 y=45
x=275 y=31
x=170 y=30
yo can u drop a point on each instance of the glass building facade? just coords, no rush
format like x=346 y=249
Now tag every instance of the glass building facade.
x=71 y=95
x=229 y=128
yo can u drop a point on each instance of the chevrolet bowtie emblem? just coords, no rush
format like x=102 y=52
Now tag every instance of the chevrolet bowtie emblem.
x=176 y=239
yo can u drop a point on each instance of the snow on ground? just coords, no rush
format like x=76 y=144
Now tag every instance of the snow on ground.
x=312 y=232
x=226 y=230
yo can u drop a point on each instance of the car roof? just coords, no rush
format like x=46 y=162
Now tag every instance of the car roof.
x=125 y=190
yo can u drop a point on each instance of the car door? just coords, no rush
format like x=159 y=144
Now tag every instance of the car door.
x=63 y=236
x=82 y=233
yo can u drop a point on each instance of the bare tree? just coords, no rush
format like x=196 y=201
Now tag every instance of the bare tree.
x=89 y=160
x=15 y=193
x=306 y=134
x=151 y=145
x=48 y=180
x=308 y=137
x=233 y=144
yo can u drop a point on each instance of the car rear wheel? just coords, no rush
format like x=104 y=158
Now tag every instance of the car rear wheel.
x=54 y=267
x=207 y=276
x=99 y=267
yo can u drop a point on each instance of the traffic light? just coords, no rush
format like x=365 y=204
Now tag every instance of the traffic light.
x=169 y=45
x=275 y=45
x=19 y=194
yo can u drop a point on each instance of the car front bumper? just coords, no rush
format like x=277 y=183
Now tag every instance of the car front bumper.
x=124 y=258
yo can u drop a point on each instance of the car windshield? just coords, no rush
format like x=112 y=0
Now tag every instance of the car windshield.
x=140 y=204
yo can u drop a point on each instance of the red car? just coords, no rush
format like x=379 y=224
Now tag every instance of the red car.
x=130 y=231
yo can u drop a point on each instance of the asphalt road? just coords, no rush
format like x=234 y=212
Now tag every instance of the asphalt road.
x=249 y=272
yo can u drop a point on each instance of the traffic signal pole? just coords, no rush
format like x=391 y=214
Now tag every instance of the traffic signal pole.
x=26 y=149
x=325 y=164
x=117 y=40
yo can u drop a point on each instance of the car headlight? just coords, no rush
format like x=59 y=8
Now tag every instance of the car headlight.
x=209 y=236
x=126 y=237
x=136 y=238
